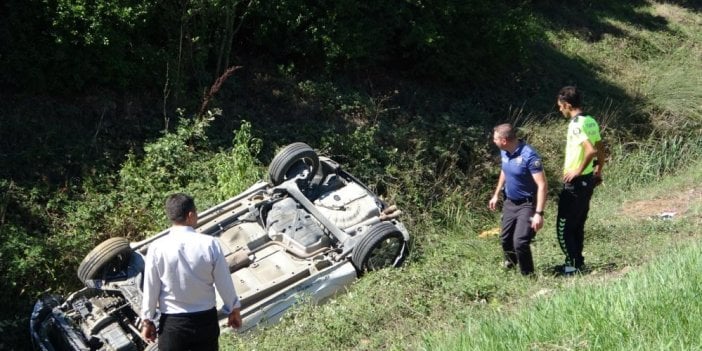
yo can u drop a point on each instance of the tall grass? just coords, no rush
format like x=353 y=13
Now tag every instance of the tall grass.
x=654 y=309
x=652 y=159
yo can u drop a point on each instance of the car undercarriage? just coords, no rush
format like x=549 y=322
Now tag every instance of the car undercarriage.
x=307 y=233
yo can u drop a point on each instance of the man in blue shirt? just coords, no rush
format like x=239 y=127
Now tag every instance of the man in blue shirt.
x=523 y=183
x=181 y=272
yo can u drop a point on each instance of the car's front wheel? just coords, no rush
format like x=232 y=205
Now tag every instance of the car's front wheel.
x=112 y=254
x=382 y=246
x=293 y=160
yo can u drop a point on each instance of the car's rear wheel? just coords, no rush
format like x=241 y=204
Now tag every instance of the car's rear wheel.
x=382 y=246
x=293 y=160
x=111 y=255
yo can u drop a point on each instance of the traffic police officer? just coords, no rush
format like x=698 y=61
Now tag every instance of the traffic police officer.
x=580 y=176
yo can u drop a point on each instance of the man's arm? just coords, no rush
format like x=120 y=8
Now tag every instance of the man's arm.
x=599 y=147
x=225 y=286
x=496 y=196
x=537 y=221
x=152 y=289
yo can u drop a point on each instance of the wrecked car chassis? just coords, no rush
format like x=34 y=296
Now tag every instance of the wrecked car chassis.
x=306 y=234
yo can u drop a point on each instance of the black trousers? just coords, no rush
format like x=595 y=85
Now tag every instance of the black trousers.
x=516 y=234
x=573 y=207
x=189 y=331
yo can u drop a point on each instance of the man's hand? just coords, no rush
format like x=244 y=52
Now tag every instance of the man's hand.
x=234 y=320
x=597 y=178
x=537 y=222
x=569 y=176
x=492 y=205
x=148 y=331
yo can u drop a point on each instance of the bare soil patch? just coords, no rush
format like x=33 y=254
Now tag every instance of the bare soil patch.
x=674 y=204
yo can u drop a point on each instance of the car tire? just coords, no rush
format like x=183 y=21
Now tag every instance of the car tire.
x=292 y=160
x=381 y=247
x=112 y=253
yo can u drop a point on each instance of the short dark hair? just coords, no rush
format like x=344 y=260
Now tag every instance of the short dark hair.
x=177 y=207
x=505 y=130
x=571 y=95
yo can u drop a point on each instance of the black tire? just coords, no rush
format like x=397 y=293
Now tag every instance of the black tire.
x=111 y=254
x=291 y=161
x=381 y=247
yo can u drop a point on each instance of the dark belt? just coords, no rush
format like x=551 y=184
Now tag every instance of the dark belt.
x=575 y=181
x=193 y=314
x=581 y=177
x=521 y=201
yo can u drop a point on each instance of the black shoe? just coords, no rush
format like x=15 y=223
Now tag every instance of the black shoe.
x=582 y=268
x=507 y=264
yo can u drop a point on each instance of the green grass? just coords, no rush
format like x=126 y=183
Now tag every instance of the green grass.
x=654 y=308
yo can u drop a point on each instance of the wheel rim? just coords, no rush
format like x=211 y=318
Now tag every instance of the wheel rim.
x=302 y=167
x=385 y=254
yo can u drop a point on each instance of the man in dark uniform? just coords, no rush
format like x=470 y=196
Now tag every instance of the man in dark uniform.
x=524 y=185
x=580 y=176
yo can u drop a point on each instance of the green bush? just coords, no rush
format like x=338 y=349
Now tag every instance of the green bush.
x=79 y=45
x=46 y=238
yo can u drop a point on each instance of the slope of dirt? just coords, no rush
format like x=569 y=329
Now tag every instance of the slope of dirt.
x=671 y=205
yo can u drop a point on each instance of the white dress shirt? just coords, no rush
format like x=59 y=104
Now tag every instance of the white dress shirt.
x=180 y=271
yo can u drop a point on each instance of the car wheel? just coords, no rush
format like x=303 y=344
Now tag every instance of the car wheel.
x=292 y=160
x=382 y=246
x=111 y=254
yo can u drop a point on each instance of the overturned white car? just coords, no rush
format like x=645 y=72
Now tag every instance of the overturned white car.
x=309 y=231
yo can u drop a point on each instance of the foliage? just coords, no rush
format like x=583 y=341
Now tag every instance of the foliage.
x=127 y=204
x=237 y=168
x=432 y=40
x=414 y=90
x=93 y=22
x=176 y=162
x=127 y=43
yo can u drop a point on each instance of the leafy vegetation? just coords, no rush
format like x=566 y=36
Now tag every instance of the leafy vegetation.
x=93 y=135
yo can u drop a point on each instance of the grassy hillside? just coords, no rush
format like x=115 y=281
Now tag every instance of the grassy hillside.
x=422 y=143
x=640 y=295
x=452 y=293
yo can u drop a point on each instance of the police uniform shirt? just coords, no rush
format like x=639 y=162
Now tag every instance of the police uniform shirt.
x=518 y=168
x=580 y=128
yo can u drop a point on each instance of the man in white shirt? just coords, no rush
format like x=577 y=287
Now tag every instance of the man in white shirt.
x=181 y=272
